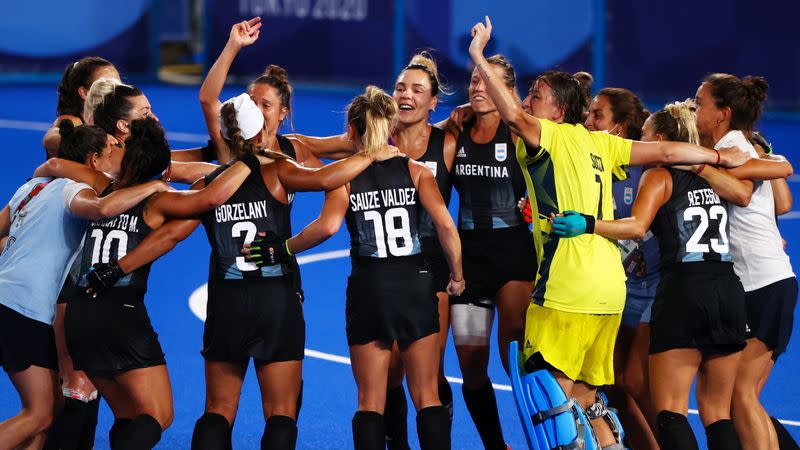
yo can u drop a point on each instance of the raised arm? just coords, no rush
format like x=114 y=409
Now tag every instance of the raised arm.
x=432 y=201
x=671 y=153
x=88 y=205
x=297 y=178
x=62 y=168
x=242 y=34
x=524 y=125
x=188 y=204
x=328 y=147
x=52 y=137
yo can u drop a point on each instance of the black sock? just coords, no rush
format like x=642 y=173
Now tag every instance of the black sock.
x=142 y=433
x=433 y=429
x=446 y=397
x=67 y=427
x=785 y=440
x=299 y=402
x=116 y=429
x=395 y=419
x=89 y=428
x=482 y=407
x=721 y=435
x=368 y=432
x=211 y=432
x=674 y=432
x=280 y=433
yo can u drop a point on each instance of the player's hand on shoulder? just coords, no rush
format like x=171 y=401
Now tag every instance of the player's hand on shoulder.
x=388 y=152
x=733 y=157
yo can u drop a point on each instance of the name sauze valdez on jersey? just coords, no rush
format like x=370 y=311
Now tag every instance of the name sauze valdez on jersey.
x=386 y=198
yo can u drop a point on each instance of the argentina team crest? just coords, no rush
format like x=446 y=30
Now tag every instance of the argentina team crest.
x=628 y=196
x=500 y=151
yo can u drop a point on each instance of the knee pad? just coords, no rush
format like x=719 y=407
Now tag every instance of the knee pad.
x=600 y=410
x=471 y=323
x=550 y=420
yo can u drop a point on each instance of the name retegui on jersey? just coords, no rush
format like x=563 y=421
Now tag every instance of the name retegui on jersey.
x=700 y=197
x=385 y=198
x=241 y=211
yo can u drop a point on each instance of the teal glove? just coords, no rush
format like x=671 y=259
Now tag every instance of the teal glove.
x=572 y=224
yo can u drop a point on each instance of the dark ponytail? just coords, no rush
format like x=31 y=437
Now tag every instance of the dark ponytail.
x=80 y=143
x=626 y=110
x=277 y=77
x=570 y=93
x=147 y=153
x=745 y=97
x=77 y=75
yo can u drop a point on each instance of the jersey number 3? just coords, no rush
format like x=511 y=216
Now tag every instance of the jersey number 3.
x=398 y=237
x=249 y=229
x=720 y=245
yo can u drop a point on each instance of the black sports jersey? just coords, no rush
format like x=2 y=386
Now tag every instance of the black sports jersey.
x=286 y=146
x=250 y=210
x=434 y=159
x=108 y=240
x=383 y=216
x=693 y=225
x=488 y=180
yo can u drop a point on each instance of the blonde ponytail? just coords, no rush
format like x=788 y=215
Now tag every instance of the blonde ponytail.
x=97 y=95
x=373 y=115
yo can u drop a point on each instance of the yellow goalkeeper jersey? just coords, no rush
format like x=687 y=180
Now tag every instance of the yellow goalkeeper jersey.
x=572 y=170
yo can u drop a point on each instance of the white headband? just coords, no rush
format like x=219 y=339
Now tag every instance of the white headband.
x=249 y=117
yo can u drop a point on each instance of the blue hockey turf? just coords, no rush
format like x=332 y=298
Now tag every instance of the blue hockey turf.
x=330 y=392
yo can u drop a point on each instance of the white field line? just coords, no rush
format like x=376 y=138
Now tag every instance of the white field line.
x=43 y=126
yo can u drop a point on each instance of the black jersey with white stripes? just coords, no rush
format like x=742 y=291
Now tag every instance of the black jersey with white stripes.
x=434 y=160
x=252 y=209
x=693 y=225
x=384 y=211
x=489 y=181
x=108 y=240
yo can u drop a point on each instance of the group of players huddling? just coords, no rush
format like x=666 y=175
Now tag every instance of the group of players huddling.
x=688 y=196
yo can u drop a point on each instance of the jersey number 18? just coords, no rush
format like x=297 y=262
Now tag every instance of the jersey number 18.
x=397 y=237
